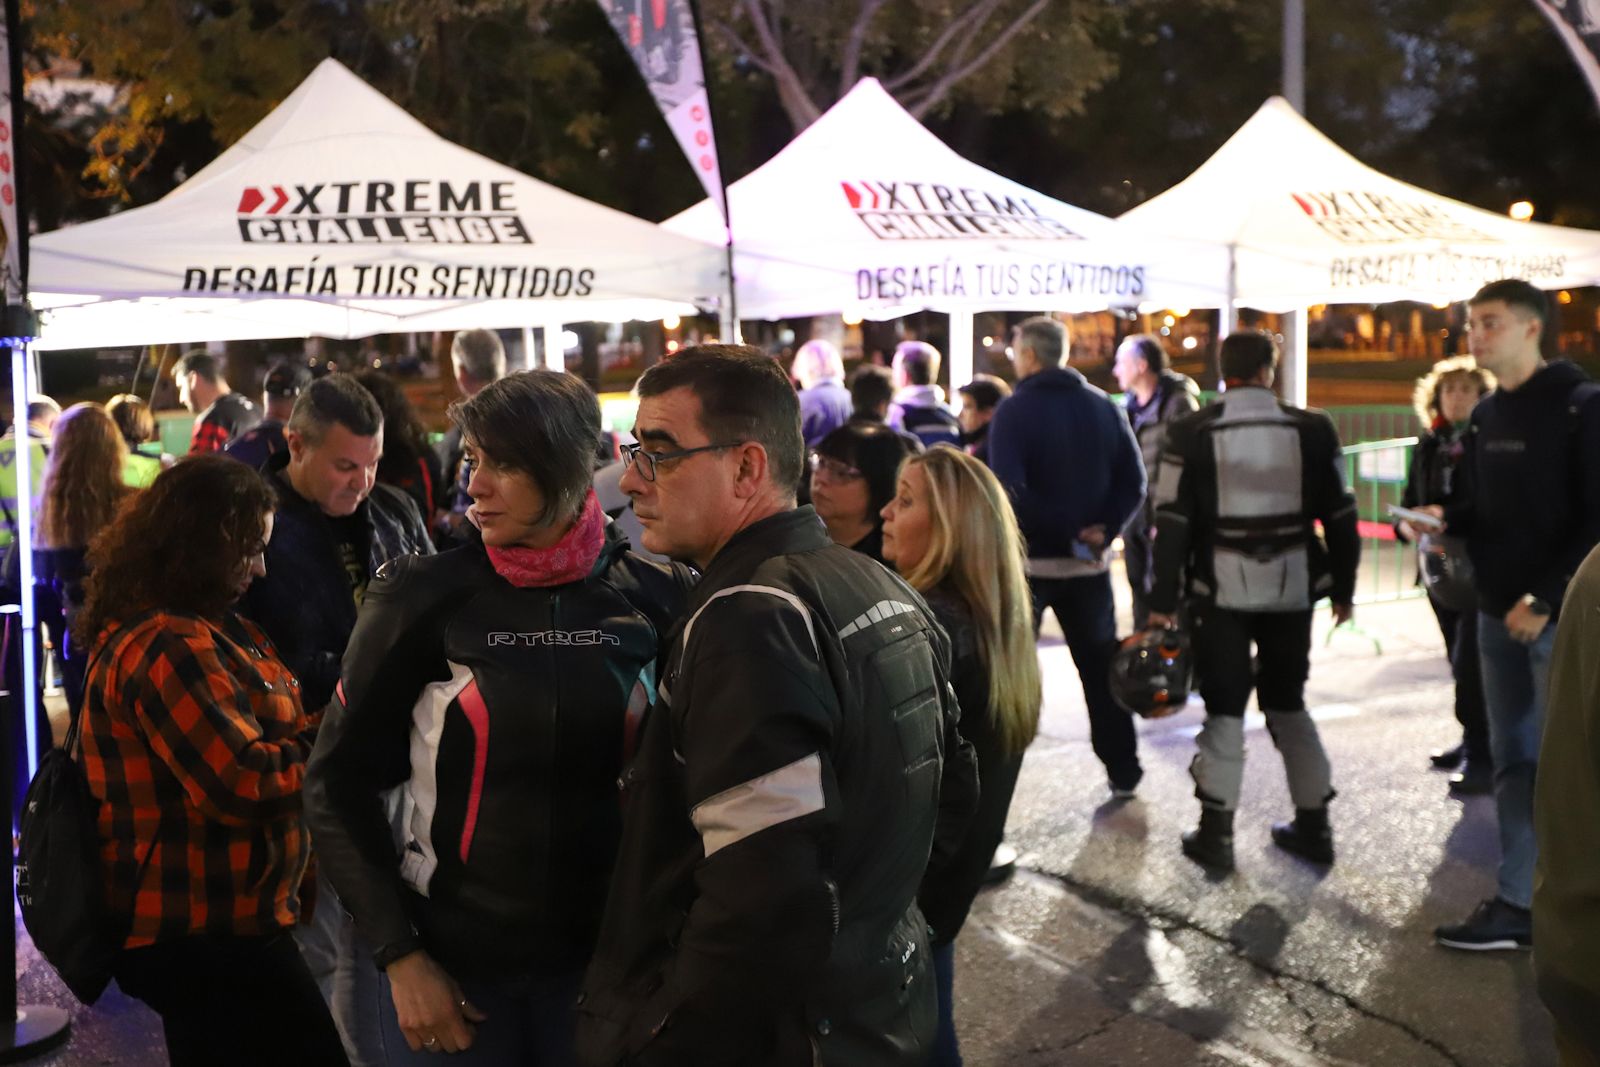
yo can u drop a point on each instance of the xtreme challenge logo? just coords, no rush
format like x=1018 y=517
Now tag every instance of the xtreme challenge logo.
x=923 y=211
x=898 y=211
x=1358 y=218
x=375 y=212
x=386 y=213
x=1354 y=217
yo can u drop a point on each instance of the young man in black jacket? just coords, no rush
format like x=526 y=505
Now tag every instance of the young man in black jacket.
x=798 y=767
x=335 y=525
x=1529 y=507
x=1242 y=485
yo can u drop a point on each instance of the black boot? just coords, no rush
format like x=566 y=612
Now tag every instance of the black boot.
x=1475 y=779
x=1309 y=836
x=1212 y=844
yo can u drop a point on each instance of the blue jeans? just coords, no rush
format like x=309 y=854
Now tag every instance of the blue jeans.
x=946 y=1050
x=1516 y=680
x=344 y=972
x=530 y=1023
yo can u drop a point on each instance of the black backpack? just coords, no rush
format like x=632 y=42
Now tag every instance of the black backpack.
x=60 y=877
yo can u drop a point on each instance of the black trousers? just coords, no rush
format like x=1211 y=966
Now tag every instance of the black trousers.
x=234 y=1002
x=1460 y=629
x=1087 y=614
x=1228 y=672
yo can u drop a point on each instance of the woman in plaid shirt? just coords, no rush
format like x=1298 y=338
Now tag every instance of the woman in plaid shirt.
x=195 y=739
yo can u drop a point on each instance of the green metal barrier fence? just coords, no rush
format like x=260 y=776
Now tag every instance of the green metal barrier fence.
x=1358 y=424
x=1376 y=474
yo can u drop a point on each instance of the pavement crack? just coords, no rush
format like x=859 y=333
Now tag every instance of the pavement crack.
x=1288 y=986
x=1096 y=1032
x=1145 y=914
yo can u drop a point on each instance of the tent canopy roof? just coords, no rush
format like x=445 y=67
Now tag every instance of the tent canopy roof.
x=1309 y=223
x=341 y=198
x=867 y=210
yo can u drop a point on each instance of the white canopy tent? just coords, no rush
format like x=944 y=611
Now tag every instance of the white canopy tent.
x=340 y=215
x=1304 y=222
x=867 y=212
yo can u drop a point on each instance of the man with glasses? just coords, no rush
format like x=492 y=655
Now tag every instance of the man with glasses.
x=798 y=766
x=1067 y=455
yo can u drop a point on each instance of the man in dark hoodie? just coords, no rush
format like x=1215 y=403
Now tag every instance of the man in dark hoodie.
x=1154 y=395
x=336 y=524
x=1067 y=456
x=1530 y=511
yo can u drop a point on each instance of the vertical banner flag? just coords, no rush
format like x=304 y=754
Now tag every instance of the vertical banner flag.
x=1578 y=24
x=660 y=36
x=12 y=238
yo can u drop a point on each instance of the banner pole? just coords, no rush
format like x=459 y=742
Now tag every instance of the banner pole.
x=731 y=316
x=34 y=1029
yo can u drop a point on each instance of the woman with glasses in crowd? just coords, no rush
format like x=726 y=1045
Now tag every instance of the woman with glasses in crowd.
x=195 y=742
x=464 y=788
x=951 y=533
x=852 y=478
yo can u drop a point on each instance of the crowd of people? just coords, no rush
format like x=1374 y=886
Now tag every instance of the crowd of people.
x=406 y=752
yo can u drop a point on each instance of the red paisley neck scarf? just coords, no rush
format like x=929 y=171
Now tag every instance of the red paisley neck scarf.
x=568 y=560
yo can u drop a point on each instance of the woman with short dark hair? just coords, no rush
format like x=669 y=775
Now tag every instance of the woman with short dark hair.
x=852 y=478
x=489 y=695
x=195 y=742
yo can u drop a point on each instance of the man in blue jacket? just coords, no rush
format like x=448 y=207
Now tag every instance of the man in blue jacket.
x=1066 y=454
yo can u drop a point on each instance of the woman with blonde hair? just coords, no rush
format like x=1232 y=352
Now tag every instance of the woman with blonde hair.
x=950 y=531
x=1444 y=399
x=78 y=497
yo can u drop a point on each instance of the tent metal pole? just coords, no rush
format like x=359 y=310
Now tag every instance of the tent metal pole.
x=23 y=444
x=555 y=357
x=1294 y=54
x=959 y=356
x=1296 y=355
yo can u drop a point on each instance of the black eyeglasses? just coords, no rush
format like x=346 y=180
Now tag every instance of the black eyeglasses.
x=647 y=461
x=832 y=469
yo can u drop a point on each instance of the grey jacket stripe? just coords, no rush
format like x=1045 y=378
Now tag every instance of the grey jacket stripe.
x=775 y=797
x=883 y=609
x=782 y=594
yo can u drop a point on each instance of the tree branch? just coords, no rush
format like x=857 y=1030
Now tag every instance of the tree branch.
x=941 y=88
x=742 y=47
x=850 y=64
x=974 y=16
x=797 y=102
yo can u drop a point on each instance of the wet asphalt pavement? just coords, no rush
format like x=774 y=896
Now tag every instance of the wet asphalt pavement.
x=1109 y=949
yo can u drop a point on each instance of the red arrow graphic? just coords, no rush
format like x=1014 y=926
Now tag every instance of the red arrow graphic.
x=251 y=200
x=851 y=195
x=283 y=198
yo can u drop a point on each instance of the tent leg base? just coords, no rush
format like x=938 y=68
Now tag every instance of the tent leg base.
x=38 y=1029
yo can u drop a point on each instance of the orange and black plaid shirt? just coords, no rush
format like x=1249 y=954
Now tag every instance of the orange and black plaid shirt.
x=195 y=739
